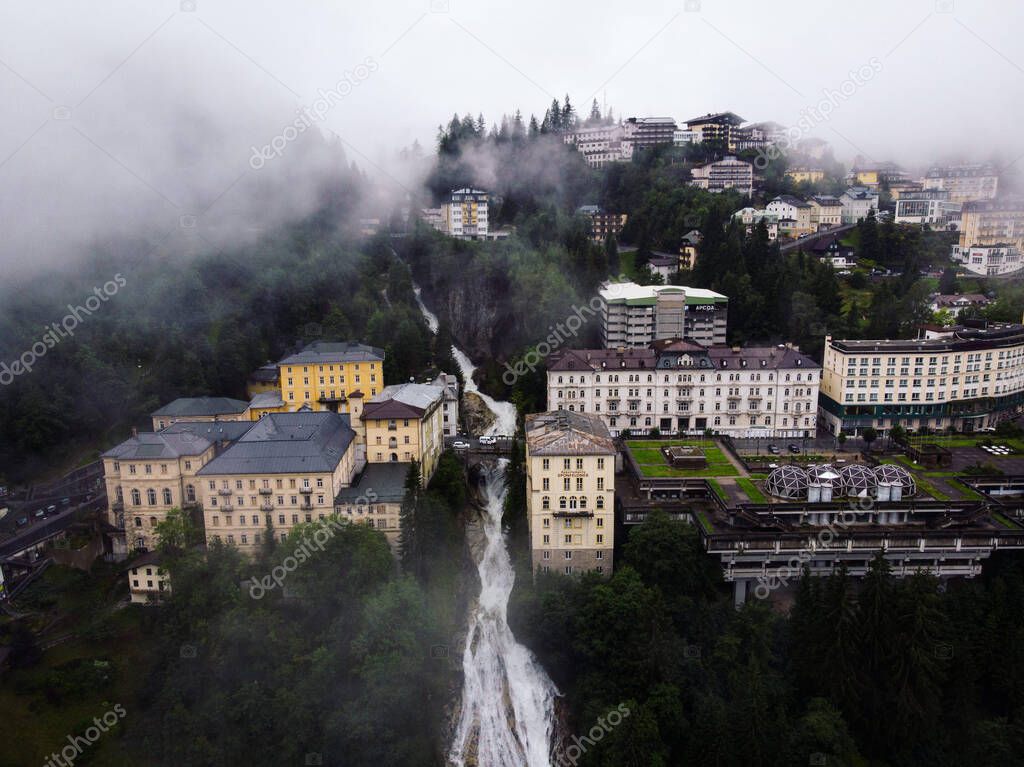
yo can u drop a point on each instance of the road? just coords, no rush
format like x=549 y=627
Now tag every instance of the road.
x=811 y=238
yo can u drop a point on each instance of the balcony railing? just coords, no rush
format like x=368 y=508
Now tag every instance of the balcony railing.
x=227 y=507
x=266 y=491
x=266 y=507
x=306 y=506
x=225 y=491
x=305 y=490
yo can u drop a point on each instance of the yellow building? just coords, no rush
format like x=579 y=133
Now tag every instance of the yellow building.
x=200 y=409
x=405 y=422
x=148 y=582
x=266 y=402
x=326 y=374
x=375 y=499
x=288 y=468
x=570 y=492
x=262 y=380
x=992 y=222
x=799 y=175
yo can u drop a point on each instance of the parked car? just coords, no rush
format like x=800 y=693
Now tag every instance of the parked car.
x=793 y=448
x=774 y=449
x=460 y=445
x=39 y=513
x=65 y=501
x=51 y=509
x=488 y=440
x=23 y=521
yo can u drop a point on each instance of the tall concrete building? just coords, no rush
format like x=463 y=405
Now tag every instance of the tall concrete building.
x=967 y=378
x=637 y=315
x=965 y=183
x=992 y=222
x=647 y=132
x=570 y=492
x=727 y=173
x=464 y=215
x=715 y=128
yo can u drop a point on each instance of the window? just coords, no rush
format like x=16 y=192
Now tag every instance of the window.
x=136 y=497
x=151 y=497
x=168 y=499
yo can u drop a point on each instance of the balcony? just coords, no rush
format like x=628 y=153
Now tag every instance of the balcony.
x=572 y=513
x=226 y=508
x=306 y=506
x=225 y=491
x=305 y=490
x=266 y=491
x=266 y=507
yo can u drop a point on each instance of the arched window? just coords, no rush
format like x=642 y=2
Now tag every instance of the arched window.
x=190 y=493
x=572 y=502
x=561 y=502
x=600 y=501
x=138 y=521
x=583 y=502
x=152 y=521
x=546 y=502
x=151 y=497
x=136 y=496
x=168 y=499
x=394 y=458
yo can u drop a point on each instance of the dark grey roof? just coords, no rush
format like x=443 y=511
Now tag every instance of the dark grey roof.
x=768 y=357
x=287 y=443
x=326 y=352
x=215 y=431
x=202 y=406
x=156 y=445
x=378 y=482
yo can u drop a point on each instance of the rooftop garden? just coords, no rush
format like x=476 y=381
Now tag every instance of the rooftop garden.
x=651 y=460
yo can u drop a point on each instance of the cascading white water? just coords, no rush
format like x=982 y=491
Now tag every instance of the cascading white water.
x=508 y=701
x=507 y=698
x=504 y=412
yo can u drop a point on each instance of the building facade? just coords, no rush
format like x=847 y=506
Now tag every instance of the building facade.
x=787 y=206
x=284 y=471
x=326 y=374
x=727 y=173
x=600 y=144
x=603 y=223
x=464 y=214
x=148 y=582
x=146 y=476
x=802 y=174
x=715 y=128
x=647 y=132
x=826 y=212
x=966 y=378
x=989 y=260
x=964 y=183
x=929 y=206
x=405 y=423
x=992 y=222
x=857 y=202
x=570 y=492
x=637 y=315
x=680 y=387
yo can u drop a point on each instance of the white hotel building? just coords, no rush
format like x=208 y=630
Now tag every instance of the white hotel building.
x=682 y=387
x=635 y=316
x=967 y=378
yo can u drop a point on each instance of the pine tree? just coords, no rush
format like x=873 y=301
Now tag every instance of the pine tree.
x=568 y=116
x=409 y=538
x=534 y=127
x=595 y=114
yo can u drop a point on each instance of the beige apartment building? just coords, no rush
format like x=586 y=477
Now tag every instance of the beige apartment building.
x=287 y=468
x=326 y=374
x=964 y=183
x=405 y=422
x=146 y=476
x=992 y=222
x=570 y=492
x=967 y=378
x=826 y=212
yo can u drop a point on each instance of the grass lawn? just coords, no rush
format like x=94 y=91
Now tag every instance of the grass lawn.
x=653 y=464
x=930 y=489
x=703 y=519
x=1016 y=444
x=1004 y=521
x=753 y=493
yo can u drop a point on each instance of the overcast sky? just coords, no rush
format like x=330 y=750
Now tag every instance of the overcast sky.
x=129 y=112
